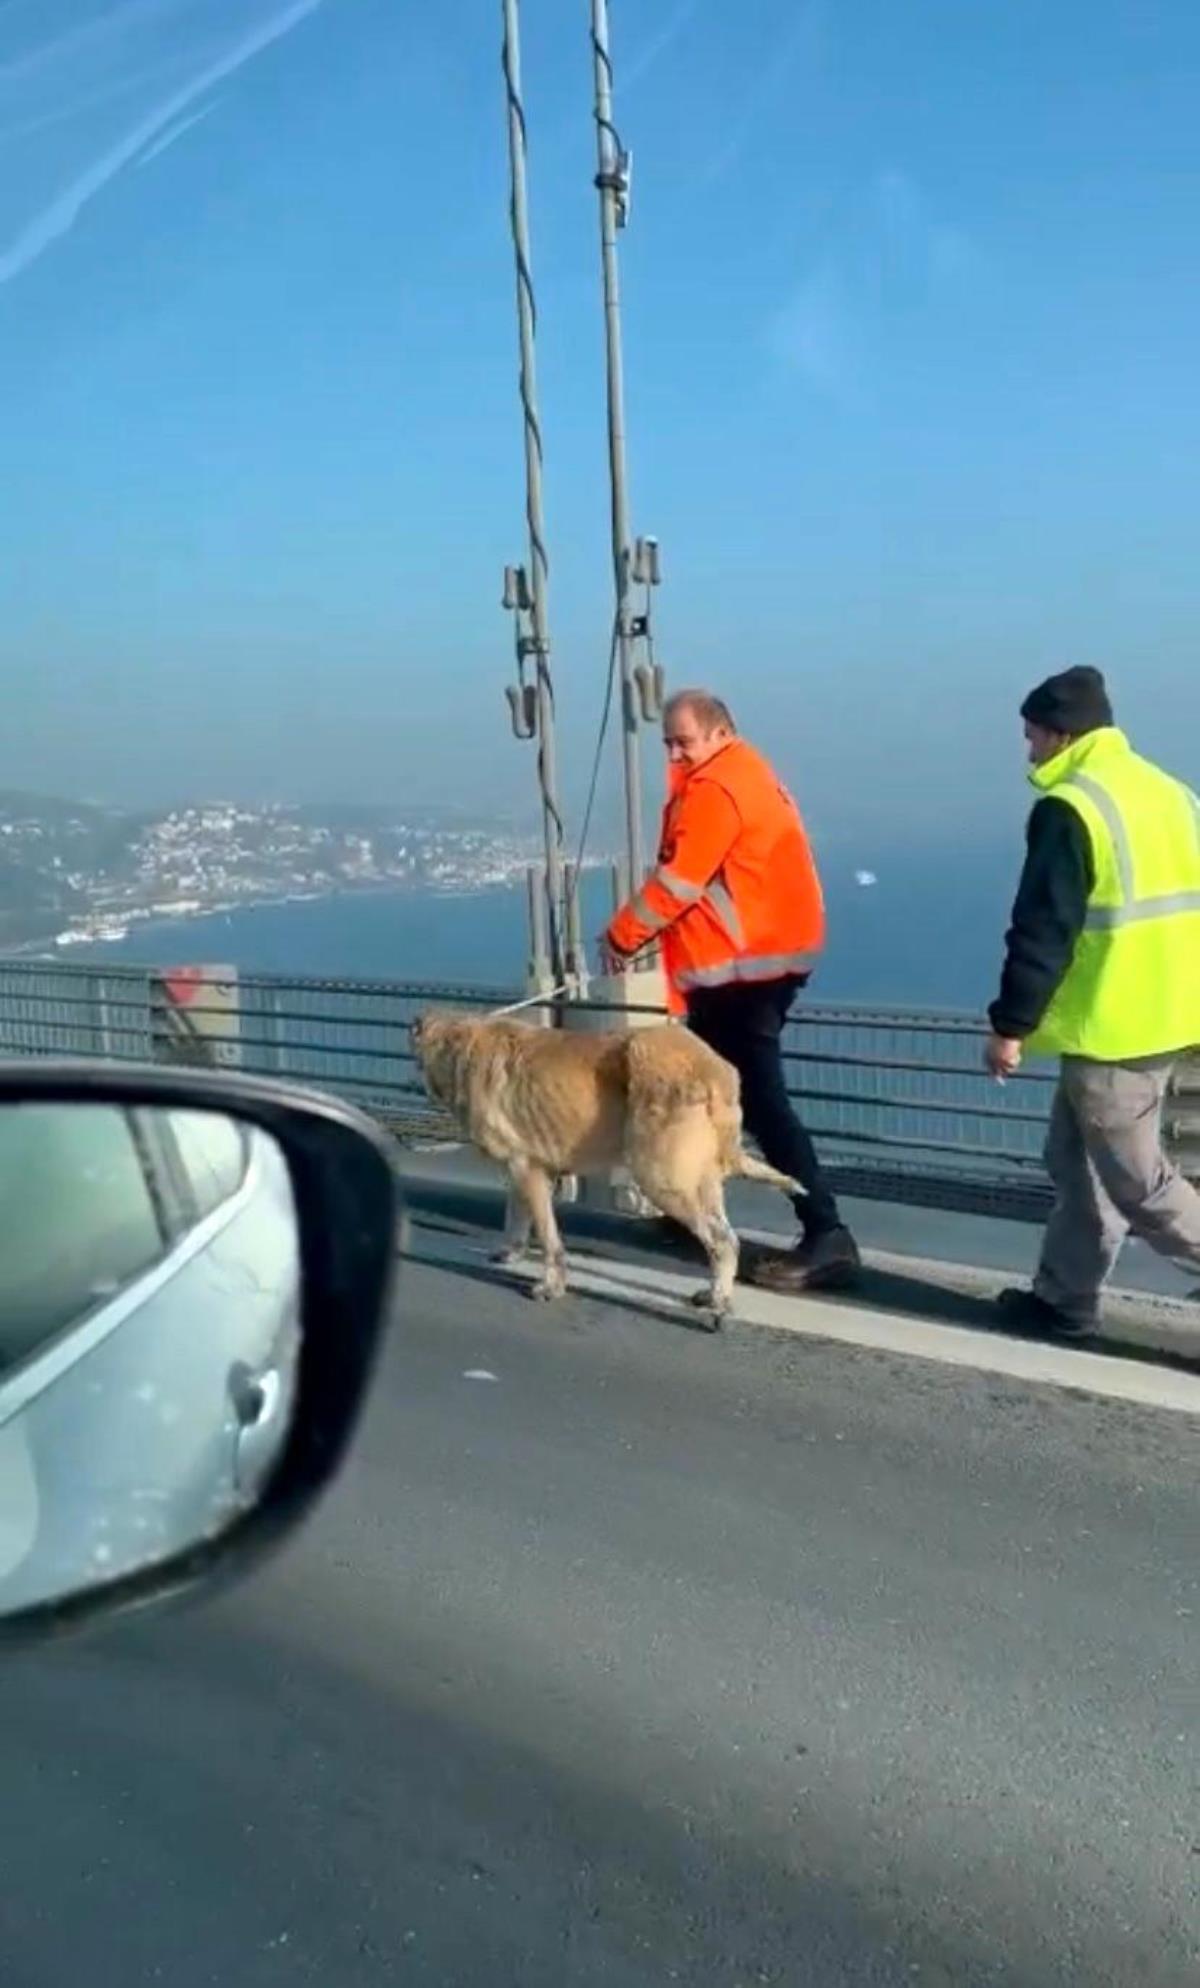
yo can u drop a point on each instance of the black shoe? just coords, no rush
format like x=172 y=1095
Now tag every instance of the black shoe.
x=826 y=1262
x=1024 y=1311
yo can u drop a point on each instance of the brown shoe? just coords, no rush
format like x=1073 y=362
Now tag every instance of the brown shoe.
x=826 y=1262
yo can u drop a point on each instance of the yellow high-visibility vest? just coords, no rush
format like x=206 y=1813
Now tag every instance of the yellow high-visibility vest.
x=1133 y=986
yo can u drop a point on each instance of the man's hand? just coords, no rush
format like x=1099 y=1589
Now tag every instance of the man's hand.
x=1002 y=1057
x=611 y=958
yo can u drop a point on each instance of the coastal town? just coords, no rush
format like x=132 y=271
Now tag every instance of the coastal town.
x=78 y=873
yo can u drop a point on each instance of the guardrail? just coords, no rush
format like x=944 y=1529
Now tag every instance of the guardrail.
x=896 y=1098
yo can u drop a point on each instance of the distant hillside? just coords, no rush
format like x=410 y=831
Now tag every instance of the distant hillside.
x=67 y=867
x=48 y=849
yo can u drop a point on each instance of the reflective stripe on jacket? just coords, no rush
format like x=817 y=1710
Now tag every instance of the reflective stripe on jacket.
x=1132 y=988
x=734 y=895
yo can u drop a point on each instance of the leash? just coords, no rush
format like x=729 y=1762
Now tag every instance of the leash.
x=572 y=985
x=547 y=1000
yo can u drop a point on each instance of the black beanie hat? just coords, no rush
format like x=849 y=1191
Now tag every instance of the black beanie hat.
x=1073 y=703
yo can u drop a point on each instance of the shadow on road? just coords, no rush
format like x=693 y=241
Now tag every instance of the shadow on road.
x=474 y=1216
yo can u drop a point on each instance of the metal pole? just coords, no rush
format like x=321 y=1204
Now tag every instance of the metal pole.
x=539 y=638
x=612 y=184
x=576 y=952
x=535 y=884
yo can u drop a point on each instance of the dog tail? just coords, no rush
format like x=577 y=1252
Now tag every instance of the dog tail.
x=669 y=1070
x=746 y=1167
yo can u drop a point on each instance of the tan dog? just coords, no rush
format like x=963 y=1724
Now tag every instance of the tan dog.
x=544 y=1102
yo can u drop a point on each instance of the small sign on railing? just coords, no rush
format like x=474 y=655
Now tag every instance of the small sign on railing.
x=197 y=1018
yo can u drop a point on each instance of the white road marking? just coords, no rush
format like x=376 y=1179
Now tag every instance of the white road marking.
x=479 y=1374
x=897 y=1332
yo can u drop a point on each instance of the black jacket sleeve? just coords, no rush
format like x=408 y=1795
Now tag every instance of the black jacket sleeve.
x=1047 y=919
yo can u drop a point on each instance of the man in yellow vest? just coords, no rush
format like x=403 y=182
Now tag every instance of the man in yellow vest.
x=1102 y=970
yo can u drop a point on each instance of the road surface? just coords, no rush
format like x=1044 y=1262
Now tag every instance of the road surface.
x=654 y=1658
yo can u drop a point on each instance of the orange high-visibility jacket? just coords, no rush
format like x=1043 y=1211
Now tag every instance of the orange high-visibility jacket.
x=735 y=894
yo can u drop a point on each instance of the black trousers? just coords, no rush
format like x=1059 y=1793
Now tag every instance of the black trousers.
x=744 y=1023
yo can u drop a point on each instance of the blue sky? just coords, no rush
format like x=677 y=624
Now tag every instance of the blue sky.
x=912 y=317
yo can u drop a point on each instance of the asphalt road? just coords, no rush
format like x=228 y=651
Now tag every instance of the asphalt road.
x=656 y=1658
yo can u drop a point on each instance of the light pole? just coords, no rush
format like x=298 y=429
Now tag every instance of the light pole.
x=526 y=588
x=640 y=687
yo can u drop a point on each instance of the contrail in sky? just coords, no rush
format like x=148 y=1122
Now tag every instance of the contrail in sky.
x=76 y=40
x=166 y=139
x=60 y=216
x=658 y=44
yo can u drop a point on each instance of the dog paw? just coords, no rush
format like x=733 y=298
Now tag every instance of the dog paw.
x=713 y=1311
x=507 y=1257
x=544 y=1293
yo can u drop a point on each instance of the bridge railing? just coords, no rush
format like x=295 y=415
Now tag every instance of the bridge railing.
x=896 y=1098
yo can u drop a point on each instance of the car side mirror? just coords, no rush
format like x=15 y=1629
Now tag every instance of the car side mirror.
x=195 y=1271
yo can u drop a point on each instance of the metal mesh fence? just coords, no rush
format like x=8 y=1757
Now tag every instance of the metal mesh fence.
x=896 y=1098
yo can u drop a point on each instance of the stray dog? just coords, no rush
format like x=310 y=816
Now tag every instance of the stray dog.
x=544 y=1102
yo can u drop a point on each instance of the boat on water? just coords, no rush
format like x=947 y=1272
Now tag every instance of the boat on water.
x=105 y=931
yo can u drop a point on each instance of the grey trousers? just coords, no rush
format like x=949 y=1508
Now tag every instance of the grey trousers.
x=1110 y=1174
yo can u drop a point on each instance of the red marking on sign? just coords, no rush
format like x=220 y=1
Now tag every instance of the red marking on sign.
x=184 y=983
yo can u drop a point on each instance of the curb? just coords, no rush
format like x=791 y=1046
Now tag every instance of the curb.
x=1137 y=1325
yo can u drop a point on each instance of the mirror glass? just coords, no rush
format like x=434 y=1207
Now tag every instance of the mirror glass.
x=149 y=1335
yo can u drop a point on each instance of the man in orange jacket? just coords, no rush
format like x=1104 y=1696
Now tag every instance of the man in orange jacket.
x=735 y=904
